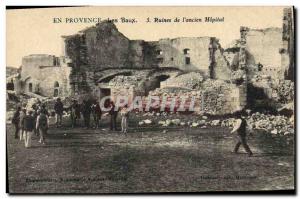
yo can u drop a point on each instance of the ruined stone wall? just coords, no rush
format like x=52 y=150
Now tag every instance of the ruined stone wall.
x=202 y=54
x=175 y=52
x=272 y=90
x=101 y=47
x=136 y=53
x=287 y=51
x=263 y=46
x=216 y=97
x=219 y=66
x=75 y=49
x=106 y=47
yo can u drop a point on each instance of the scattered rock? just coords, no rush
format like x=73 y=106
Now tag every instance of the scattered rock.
x=215 y=122
x=182 y=123
x=195 y=124
x=176 y=121
x=274 y=131
x=147 y=121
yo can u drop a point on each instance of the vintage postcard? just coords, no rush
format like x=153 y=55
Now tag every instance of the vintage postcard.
x=150 y=99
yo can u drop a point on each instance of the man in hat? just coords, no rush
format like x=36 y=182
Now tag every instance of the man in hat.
x=16 y=121
x=59 y=109
x=96 y=112
x=113 y=116
x=28 y=123
x=240 y=130
x=75 y=112
x=42 y=124
x=21 y=124
x=86 y=112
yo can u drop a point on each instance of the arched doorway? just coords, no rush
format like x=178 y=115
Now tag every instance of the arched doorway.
x=30 y=87
x=158 y=79
x=56 y=89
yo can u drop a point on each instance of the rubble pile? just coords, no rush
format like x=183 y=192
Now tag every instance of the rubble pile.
x=192 y=80
x=285 y=91
x=275 y=124
x=211 y=97
x=238 y=75
x=281 y=91
x=215 y=96
x=124 y=81
x=179 y=95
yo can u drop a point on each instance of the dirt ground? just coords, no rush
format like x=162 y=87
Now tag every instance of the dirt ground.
x=148 y=159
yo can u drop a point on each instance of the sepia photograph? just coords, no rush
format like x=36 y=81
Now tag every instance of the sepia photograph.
x=150 y=99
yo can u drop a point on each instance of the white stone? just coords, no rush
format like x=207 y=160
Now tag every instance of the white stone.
x=147 y=121
x=176 y=121
x=274 y=131
x=195 y=124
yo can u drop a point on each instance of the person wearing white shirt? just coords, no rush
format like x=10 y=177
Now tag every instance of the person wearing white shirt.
x=240 y=129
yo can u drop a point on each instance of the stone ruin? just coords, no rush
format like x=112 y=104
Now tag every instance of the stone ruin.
x=100 y=61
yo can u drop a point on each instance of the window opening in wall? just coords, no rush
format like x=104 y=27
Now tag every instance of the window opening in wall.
x=186 y=51
x=187 y=60
x=30 y=87
x=56 y=84
x=159 y=52
x=172 y=59
x=160 y=60
x=56 y=89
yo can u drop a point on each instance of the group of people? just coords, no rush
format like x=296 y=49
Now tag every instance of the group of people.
x=35 y=119
x=88 y=108
x=27 y=122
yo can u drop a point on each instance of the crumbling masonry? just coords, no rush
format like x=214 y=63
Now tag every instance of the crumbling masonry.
x=100 y=61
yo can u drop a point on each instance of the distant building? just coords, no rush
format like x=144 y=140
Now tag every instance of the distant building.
x=42 y=74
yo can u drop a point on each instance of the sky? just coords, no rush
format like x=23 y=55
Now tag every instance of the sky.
x=32 y=31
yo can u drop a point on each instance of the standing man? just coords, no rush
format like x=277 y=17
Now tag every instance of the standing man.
x=240 y=129
x=86 y=112
x=35 y=115
x=113 y=116
x=96 y=112
x=16 y=121
x=28 y=128
x=124 y=121
x=22 y=116
x=75 y=112
x=59 y=109
x=42 y=125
